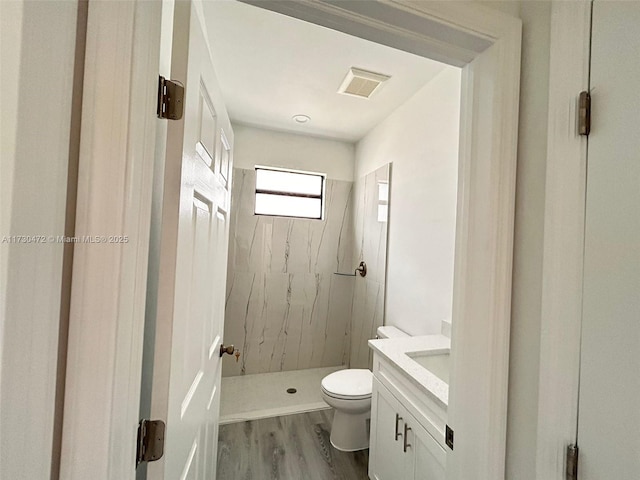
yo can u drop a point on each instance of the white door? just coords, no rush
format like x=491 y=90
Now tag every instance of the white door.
x=609 y=406
x=193 y=261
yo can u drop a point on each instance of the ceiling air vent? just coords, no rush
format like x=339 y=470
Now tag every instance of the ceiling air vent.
x=361 y=83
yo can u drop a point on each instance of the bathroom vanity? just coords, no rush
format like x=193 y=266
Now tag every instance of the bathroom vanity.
x=409 y=408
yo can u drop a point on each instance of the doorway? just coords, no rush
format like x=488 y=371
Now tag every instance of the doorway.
x=490 y=61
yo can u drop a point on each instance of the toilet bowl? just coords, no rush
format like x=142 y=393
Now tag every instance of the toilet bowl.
x=349 y=393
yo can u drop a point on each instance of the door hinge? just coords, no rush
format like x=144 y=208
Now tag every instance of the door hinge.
x=572 y=462
x=150 y=444
x=584 y=113
x=448 y=437
x=170 y=99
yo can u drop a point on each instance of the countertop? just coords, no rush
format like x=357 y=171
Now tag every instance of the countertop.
x=395 y=351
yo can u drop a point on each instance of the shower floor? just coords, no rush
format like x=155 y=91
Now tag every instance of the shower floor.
x=262 y=395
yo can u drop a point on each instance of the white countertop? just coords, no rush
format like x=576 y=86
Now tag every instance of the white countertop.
x=395 y=351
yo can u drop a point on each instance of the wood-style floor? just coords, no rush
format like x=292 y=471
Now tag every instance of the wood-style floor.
x=293 y=447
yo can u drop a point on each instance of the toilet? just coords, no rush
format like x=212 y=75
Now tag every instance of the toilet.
x=349 y=393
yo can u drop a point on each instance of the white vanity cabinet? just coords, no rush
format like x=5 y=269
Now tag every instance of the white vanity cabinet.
x=401 y=447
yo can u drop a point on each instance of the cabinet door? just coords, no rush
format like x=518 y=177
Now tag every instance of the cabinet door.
x=425 y=458
x=386 y=458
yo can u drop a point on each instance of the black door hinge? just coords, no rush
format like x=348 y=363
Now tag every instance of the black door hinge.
x=150 y=444
x=572 y=462
x=448 y=437
x=584 y=113
x=170 y=99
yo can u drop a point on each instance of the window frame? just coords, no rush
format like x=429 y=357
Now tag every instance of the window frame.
x=284 y=193
x=383 y=202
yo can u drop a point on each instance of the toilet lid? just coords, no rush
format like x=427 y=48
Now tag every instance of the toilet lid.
x=352 y=383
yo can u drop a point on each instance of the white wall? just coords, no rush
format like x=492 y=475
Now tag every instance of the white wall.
x=37 y=57
x=257 y=146
x=421 y=139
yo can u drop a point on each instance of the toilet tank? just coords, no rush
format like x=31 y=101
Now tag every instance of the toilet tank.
x=389 y=331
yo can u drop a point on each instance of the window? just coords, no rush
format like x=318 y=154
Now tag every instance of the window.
x=383 y=201
x=288 y=193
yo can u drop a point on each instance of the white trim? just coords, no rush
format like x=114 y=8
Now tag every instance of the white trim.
x=563 y=239
x=487 y=44
x=109 y=280
x=448 y=31
x=483 y=267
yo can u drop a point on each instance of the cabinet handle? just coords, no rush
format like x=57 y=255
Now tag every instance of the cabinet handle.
x=398 y=434
x=405 y=444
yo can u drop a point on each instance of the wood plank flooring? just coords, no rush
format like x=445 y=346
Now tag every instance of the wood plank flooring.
x=292 y=447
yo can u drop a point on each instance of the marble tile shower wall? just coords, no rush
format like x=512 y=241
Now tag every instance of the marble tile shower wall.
x=285 y=310
x=370 y=245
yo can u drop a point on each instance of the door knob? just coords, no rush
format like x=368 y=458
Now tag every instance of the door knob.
x=229 y=349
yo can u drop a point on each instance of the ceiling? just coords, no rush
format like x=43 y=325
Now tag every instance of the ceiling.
x=271 y=67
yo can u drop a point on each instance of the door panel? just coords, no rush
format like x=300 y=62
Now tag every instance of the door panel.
x=609 y=417
x=194 y=232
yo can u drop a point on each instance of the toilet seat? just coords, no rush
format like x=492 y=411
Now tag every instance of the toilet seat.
x=349 y=384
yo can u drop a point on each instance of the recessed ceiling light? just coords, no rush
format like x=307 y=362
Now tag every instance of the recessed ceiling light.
x=301 y=118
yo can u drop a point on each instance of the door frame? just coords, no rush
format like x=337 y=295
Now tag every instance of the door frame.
x=108 y=285
x=115 y=189
x=563 y=248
